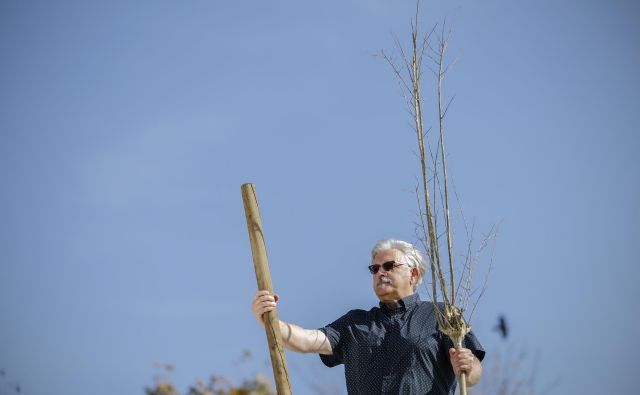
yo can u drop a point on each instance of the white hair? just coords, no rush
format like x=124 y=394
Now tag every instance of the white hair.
x=411 y=253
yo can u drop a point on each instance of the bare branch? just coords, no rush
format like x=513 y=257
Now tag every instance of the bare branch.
x=490 y=237
x=444 y=113
x=435 y=224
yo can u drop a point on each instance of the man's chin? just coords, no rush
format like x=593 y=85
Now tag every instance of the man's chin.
x=386 y=295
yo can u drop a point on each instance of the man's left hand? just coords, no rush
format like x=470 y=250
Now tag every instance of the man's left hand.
x=462 y=360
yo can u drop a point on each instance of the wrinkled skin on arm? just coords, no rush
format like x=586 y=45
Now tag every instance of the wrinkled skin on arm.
x=295 y=338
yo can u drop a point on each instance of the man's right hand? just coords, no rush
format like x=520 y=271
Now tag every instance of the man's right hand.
x=263 y=302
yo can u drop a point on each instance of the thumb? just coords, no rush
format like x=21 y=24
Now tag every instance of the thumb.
x=276 y=297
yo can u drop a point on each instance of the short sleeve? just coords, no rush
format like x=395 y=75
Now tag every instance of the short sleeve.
x=336 y=334
x=472 y=343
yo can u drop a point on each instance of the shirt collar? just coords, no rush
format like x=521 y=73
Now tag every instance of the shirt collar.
x=403 y=304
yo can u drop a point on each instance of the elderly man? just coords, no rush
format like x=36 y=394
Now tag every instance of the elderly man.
x=395 y=348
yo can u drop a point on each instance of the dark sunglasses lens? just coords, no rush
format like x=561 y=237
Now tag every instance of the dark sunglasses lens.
x=388 y=266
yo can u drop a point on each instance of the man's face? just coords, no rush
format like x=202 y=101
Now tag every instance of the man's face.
x=394 y=284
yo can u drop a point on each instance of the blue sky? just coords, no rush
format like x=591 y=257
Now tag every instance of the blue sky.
x=127 y=128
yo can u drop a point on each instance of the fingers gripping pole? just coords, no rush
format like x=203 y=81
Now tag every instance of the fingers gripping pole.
x=263 y=276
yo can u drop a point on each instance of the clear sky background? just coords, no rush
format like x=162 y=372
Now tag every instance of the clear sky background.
x=127 y=128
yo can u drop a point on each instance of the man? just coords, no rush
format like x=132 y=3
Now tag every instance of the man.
x=395 y=348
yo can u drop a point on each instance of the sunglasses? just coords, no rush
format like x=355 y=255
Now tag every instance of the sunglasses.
x=387 y=266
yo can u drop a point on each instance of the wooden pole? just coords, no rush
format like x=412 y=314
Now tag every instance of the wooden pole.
x=263 y=276
x=462 y=378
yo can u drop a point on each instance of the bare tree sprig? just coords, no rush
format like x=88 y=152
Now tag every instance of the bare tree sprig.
x=434 y=228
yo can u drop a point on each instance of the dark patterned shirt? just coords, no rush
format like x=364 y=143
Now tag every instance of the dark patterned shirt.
x=397 y=351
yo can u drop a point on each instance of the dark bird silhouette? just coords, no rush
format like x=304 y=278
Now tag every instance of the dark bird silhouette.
x=502 y=327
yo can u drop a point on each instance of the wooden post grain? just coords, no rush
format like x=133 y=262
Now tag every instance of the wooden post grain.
x=462 y=378
x=263 y=276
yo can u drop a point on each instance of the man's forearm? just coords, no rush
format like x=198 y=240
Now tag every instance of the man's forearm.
x=476 y=372
x=302 y=340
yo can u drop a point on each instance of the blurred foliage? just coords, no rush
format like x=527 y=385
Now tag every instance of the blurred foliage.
x=511 y=371
x=216 y=385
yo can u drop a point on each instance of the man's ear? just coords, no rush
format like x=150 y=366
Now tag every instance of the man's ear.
x=415 y=273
